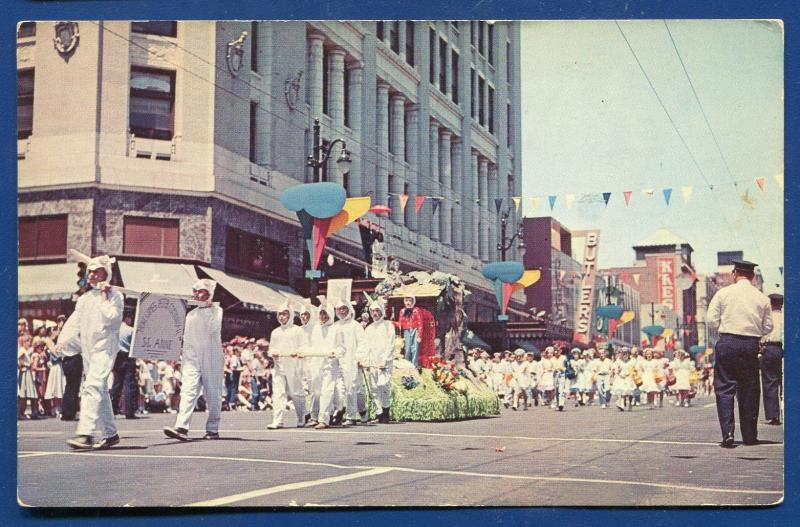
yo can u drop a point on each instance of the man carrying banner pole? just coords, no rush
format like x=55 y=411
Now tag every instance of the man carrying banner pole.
x=350 y=347
x=379 y=337
x=95 y=322
x=285 y=345
x=202 y=363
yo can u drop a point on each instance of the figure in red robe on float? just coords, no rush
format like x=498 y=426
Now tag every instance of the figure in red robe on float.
x=418 y=329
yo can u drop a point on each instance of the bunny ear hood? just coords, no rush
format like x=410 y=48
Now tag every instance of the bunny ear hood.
x=205 y=284
x=286 y=306
x=104 y=262
x=377 y=304
x=328 y=311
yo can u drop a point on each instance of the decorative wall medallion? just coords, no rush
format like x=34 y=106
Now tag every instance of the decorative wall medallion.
x=66 y=39
x=291 y=89
x=235 y=54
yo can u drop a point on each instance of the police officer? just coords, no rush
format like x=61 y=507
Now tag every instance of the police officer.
x=771 y=362
x=125 y=371
x=742 y=313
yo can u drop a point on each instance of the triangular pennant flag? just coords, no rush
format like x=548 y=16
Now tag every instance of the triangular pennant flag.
x=403 y=201
x=612 y=326
x=570 y=200
x=627 y=195
x=436 y=203
x=761 y=182
x=606 y=197
x=516 y=200
x=687 y=193
x=779 y=180
x=667 y=194
x=498 y=203
x=552 y=200
x=561 y=274
x=418 y=201
x=636 y=277
x=648 y=192
x=534 y=202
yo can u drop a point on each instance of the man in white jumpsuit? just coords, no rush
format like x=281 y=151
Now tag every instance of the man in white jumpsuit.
x=311 y=365
x=202 y=364
x=95 y=322
x=323 y=340
x=285 y=346
x=350 y=347
x=380 y=337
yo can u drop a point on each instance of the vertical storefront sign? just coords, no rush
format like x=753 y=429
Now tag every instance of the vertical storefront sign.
x=585 y=309
x=665 y=280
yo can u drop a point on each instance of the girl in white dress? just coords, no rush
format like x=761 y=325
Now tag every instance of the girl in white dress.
x=648 y=370
x=603 y=377
x=661 y=375
x=533 y=369
x=623 y=385
x=521 y=381
x=589 y=377
x=494 y=374
x=683 y=366
x=575 y=385
x=546 y=386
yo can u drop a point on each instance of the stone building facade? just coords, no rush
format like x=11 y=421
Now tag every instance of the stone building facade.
x=181 y=136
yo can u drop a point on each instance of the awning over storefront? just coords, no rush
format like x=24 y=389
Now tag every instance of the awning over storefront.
x=252 y=293
x=45 y=282
x=156 y=277
x=286 y=291
x=526 y=345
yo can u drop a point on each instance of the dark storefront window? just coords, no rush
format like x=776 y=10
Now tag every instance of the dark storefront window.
x=256 y=257
x=165 y=28
x=43 y=238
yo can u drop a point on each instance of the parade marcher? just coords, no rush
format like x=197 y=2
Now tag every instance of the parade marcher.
x=323 y=340
x=535 y=373
x=743 y=315
x=285 y=344
x=379 y=337
x=350 y=348
x=574 y=382
x=411 y=324
x=560 y=387
x=494 y=375
x=96 y=321
x=771 y=362
x=310 y=365
x=521 y=383
x=603 y=376
x=650 y=371
x=125 y=371
x=546 y=383
x=202 y=363
x=623 y=385
x=506 y=387
x=588 y=383
x=682 y=365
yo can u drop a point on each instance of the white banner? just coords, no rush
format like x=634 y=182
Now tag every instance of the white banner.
x=158 y=329
x=339 y=289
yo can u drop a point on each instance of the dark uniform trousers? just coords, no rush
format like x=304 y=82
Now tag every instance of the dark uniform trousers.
x=736 y=375
x=124 y=377
x=73 y=371
x=771 y=375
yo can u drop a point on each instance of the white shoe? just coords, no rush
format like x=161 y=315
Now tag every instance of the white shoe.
x=273 y=426
x=603 y=406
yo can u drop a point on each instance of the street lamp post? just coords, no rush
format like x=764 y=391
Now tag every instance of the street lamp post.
x=321 y=154
x=506 y=243
x=316 y=161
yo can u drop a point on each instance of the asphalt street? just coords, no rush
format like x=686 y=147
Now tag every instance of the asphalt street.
x=583 y=456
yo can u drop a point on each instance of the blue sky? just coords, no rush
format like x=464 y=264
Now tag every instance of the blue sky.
x=592 y=124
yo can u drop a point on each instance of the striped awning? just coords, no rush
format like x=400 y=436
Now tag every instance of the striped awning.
x=47 y=282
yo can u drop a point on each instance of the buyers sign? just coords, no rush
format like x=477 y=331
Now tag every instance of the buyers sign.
x=158 y=329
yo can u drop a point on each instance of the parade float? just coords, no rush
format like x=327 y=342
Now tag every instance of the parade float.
x=443 y=388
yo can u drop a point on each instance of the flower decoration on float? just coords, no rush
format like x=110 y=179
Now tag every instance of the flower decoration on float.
x=323 y=209
x=508 y=278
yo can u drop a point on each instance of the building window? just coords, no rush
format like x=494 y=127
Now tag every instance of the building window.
x=24 y=103
x=472 y=92
x=410 y=43
x=491 y=110
x=508 y=61
x=432 y=53
x=481 y=101
x=346 y=95
x=256 y=257
x=379 y=30
x=508 y=124
x=43 y=237
x=254 y=46
x=326 y=57
x=253 y=131
x=26 y=29
x=150 y=236
x=480 y=37
x=442 y=65
x=454 y=76
x=491 y=44
x=152 y=103
x=394 y=36
x=165 y=28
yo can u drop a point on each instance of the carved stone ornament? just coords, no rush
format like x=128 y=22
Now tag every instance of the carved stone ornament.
x=235 y=54
x=291 y=89
x=66 y=39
